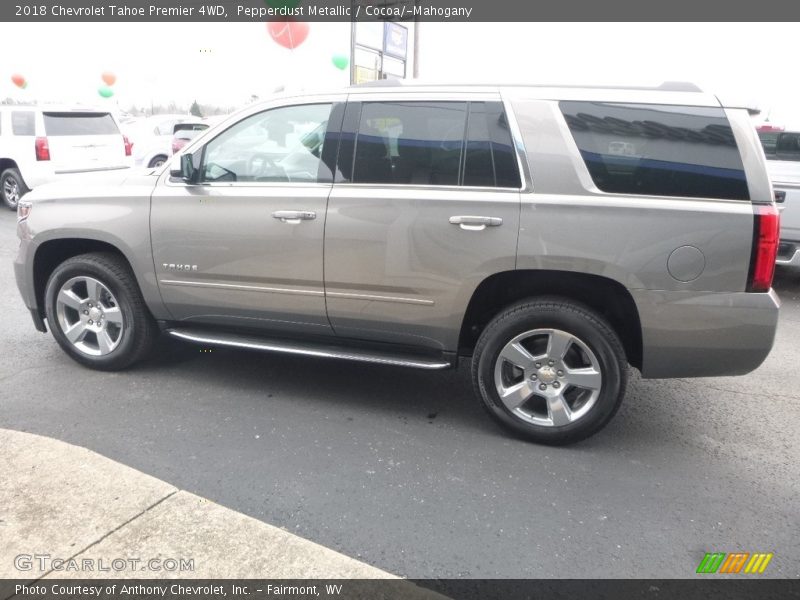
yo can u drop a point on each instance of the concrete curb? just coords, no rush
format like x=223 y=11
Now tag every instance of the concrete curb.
x=70 y=503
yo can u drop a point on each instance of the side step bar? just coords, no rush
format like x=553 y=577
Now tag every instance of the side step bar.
x=383 y=357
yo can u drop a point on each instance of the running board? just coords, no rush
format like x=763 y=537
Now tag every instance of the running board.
x=383 y=357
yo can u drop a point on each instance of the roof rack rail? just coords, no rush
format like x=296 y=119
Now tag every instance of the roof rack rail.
x=667 y=86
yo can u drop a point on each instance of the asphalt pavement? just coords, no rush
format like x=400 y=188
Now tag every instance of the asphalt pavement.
x=402 y=469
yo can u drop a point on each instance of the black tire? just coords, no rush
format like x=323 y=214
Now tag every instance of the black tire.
x=157 y=161
x=11 y=179
x=139 y=332
x=558 y=315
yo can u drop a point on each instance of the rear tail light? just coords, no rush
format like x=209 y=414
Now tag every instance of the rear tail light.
x=128 y=145
x=766 y=235
x=176 y=146
x=42 y=149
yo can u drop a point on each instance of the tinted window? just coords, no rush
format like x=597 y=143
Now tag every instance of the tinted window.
x=478 y=163
x=658 y=150
x=490 y=159
x=79 y=124
x=283 y=144
x=22 y=122
x=410 y=143
x=786 y=146
x=769 y=140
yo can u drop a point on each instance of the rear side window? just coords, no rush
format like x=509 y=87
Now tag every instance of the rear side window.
x=489 y=156
x=23 y=122
x=658 y=150
x=431 y=143
x=410 y=143
x=68 y=123
x=781 y=146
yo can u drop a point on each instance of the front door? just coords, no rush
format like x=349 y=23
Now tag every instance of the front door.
x=243 y=245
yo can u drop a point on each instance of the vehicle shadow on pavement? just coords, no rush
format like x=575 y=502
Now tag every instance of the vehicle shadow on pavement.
x=442 y=398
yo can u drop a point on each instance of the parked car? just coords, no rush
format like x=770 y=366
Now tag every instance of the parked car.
x=782 y=149
x=152 y=138
x=185 y=133
x=418 y=226
x=43 y=144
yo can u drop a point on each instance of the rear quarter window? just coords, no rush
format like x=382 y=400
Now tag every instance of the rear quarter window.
x=57 y=124
x=658 y=150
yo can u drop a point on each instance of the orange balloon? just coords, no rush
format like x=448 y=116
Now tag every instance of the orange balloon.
x=19 y=80
x=109 y=78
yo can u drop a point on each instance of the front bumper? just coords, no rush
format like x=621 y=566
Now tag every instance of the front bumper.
x=697 y=334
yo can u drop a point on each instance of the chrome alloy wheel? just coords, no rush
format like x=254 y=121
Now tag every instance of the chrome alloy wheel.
x=11 y=190
x=547 y=377
x=89 y=316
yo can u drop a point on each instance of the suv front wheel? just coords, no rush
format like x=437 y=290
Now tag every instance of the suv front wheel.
x=96 y=312
x=551 y=370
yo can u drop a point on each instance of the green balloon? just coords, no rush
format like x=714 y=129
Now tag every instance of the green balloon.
x=105 y=91
x=340 y=61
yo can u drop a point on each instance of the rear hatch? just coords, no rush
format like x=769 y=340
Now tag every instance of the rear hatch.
x=82 y=141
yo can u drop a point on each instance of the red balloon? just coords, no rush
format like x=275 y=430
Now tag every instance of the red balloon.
x=109 y=78
x=289 y=34
x=19 y=80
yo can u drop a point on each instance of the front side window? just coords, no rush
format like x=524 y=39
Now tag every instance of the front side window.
x=278 y=145
x=658 y=150
x=410 y=143
x=23 y=122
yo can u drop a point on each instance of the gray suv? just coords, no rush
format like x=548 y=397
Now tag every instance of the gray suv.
x=553 y=235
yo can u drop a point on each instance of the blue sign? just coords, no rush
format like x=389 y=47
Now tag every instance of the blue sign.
x=395 y=40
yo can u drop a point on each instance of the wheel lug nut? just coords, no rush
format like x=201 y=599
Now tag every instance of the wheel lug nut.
x=551 y=362
x=556 y=385
x=533 y=377
x=538 y=365
x=560 y=373
x=86 y=312
x=90 y=322
x=542 y=386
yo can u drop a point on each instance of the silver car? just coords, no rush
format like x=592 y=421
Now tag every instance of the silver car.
x=550 y=236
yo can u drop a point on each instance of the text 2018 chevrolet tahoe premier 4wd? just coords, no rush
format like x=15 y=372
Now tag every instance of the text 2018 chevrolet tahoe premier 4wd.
x=555 y=235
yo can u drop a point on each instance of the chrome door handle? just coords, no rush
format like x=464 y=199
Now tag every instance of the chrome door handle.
x=294 y=216
x=476 y=223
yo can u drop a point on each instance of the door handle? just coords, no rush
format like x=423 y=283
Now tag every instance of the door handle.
x=476 y=223
x=294 y=216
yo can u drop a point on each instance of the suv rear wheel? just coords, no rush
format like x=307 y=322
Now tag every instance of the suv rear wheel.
x=96 y=312
x=12 y=187
x=551 y=370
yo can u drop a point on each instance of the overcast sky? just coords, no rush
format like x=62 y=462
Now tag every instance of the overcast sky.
x=224 y=63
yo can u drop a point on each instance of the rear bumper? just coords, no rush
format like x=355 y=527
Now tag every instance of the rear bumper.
x=788 y=254
x=695 y=334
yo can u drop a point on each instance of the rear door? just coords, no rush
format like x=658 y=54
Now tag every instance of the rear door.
x=82 y=141
x=425 y=206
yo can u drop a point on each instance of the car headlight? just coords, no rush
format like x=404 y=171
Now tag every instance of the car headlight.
x=23 y=210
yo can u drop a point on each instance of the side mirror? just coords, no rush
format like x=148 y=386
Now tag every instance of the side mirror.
x=182 y=167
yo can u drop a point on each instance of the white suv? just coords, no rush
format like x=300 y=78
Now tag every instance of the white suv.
x=43 y=144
